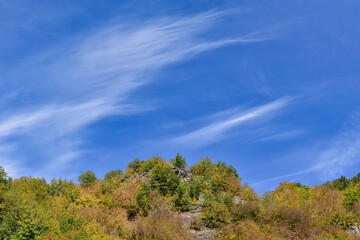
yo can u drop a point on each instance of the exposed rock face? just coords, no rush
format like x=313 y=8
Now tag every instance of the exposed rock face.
x=201 y=234
x=354 y=230
x=181 y=172
x=238 y=199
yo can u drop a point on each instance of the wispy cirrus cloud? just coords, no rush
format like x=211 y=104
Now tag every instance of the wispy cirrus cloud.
x=332 y=158
x=83 y=82
x=219 y=129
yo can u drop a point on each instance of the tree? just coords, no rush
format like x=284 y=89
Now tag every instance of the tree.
x=164 y=179
x=341 y=183
x=113 y=174
x=142 y=198
x=179 y=161
x=87 y=178
x=5 y=182
x=182 y=199
x=60 y=186
x=351 y=196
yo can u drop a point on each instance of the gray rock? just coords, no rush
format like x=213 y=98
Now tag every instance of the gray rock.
x=181 y=172
x=238 y=199
x=201 y=199
x=354 y=230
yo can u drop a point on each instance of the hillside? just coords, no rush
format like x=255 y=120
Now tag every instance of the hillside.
x=159 y=199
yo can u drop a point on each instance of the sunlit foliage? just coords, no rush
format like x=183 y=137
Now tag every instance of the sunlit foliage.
x=148 y=200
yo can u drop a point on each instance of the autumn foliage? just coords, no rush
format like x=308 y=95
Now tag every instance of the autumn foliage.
x=149 y=200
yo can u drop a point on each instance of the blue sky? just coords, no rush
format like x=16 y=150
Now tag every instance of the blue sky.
x=272 y=88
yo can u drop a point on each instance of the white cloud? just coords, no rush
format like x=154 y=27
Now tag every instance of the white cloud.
x=217 y=130
x=331 y=160
x=94 y=77
x=343 y=152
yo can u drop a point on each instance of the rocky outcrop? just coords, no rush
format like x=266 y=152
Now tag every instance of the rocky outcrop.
x=201 y=233
x=238 y=199
x=181 y=172
x=354 y=230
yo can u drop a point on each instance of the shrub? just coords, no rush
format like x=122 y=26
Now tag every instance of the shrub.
x=161 y=224
x=196 y=223
x=342 y=219
x=87 y=178
x=292 y=222
x=204 y=168
x=245 y=230
x=60 y=187
x=142 y=198
x=216 y=215
x=149 y=164
x=246 y=210
x=351 y=196
x=164 y=179
x=182 y=199
x=120 y=232
x=113 y=174
x=290 y=195
x=136 y=165
x=70 y=222
x=324 y=200
x=196 y=185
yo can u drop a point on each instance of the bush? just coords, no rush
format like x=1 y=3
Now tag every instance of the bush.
x=164 y=179
x=87 y=178
x=216 y=215
x=182 y=199
x=70 y=222
x=196 y=223
x=120 y=232
x=113 y=174
x=342 y=219
x=136 y=165
x=351 y=196
x=245 y=230
x=196 y=185
x=161 y=224
x=60 y=187
x=292 y=222
x=142 y=198
x=246 y=210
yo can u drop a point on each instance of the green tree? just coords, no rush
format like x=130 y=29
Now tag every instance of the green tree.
x=113 y=174
x=142 y=198
x=341 y=183
x=182 y=199
x=87 y=178
x=179 y=161
x=164 y=179
x=351 y=196
x=136 y=165
x=60 y=186
x=5 y=183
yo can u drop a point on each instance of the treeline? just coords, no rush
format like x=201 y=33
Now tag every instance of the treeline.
x=151 y=199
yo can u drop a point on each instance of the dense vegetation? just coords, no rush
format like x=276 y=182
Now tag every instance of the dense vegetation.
x=149 y=200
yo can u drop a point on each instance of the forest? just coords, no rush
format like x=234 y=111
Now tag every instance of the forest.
x=167 y=199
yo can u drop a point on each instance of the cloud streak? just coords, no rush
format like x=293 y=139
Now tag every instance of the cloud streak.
x=217 y=130
x=341 y=152
x=94 y=77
